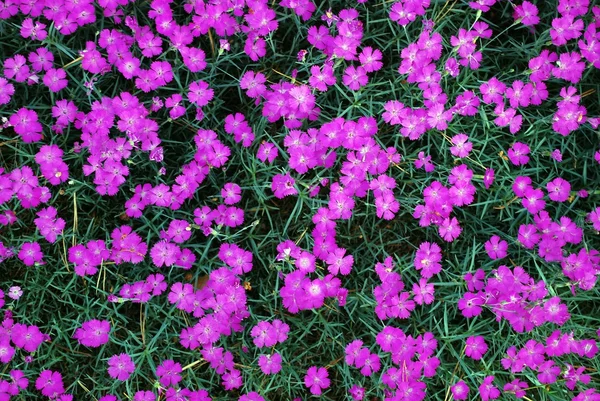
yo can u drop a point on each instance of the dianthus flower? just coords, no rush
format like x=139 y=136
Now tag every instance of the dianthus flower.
x=270 y=364
x=496 y=248
x=450 y=229
x=283 y=185
x=168 y=373
x=558 y=189
x=120 y=367
x=470 y=304
x=527 y=13
x=231 y=193
x=460 y=390
x=487 y=390
x=56 y=79
x=93 y=333
x=475 y=347
x=518 y=154
x=253 y=83
x=462 y=147
x=50 y=383
x=31 y=253
x=316 y=379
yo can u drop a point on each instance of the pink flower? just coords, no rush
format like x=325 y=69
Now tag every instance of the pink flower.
x=120 y=367
x=518 y=154
x=423 y=292
x=32 y=30
x=164 y=254
x=200 y=94
x=425 y=162
x=488 y=178
x=462 y=147
x=475 y=347
x=558 y=189
x=460 y=390
x=56 y=79
x=496 y=248
x=31 y=253
x=516 y=387
x=270 y=364
x=322 y=77
x=50 y=383
x=470 y=305
x=253 y=83
x=450 y=229
x=283 y=185
x=370 y=59
x=231 y=193
x=487 y=390
x=355 y=77
x=168 y=373
x=316 y=380
x=527 y=13
x=93 y=333
x=25 y=123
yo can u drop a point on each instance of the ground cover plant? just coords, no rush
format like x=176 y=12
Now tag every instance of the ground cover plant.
x=292 y=200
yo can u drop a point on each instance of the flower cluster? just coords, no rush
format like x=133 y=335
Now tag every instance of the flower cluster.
x=300 y=292
x=141 y=291
x=514 y=295
x=440 y=202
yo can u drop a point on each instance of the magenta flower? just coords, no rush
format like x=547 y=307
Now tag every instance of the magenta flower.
x=355 y=77
x=519 y=154
x=93 y=333
x=450 y=229
x=179 y=231
x=165 y=254
x=496 y=248
x=558 y=189
x=527 y=13
x=283 y=185
x=120 y=367
x=487 y=390
x=168 y=373
x=488 y=177
x=460 y=390
x=267 y=151
x=200 y=93
x=7 y=90
x=322 y=77
x=427 y=259
x=232 y=379
x=425 y=162
x=50 y=384
x=56 y=79
x=475 y=347
x=423 y=292
x=31 y=253
x=370 y=59
x=25 y=123
x=462 y=147
x=470 y=304
x=144 y=395
x=231 y=193
x=251 y=396
x=316 y=380
x=475 y=280
x=533 y=200
x=516 y=387
x=270 y=364
x=253 y=83
x=357 y=392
